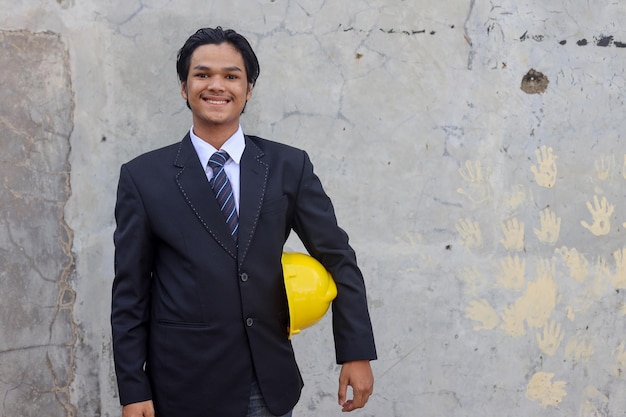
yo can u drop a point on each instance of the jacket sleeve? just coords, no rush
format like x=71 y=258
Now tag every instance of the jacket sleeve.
x=316 y=225
x=130 y=307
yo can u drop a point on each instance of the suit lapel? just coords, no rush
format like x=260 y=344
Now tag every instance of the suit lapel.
x=195 y=188
x=254 y=173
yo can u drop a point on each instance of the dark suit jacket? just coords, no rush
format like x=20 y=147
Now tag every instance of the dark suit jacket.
x=193 y=315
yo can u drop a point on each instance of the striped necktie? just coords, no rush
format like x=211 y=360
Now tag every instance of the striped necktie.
x=223 y=191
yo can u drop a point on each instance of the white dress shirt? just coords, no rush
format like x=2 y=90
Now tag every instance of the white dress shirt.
x=234 y=146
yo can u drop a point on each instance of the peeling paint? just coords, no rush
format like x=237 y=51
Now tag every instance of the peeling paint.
x=38 y=328
x=534 y=82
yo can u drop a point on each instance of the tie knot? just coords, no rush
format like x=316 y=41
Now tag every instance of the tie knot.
x=218 y=159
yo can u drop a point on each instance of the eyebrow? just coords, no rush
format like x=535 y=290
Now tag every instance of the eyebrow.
x=226 y=69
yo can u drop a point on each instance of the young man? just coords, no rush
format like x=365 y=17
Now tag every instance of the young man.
x=199 y=311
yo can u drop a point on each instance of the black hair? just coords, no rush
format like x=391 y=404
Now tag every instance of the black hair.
x=217 y=36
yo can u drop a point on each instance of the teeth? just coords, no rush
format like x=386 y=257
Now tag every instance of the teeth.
x=217 y=102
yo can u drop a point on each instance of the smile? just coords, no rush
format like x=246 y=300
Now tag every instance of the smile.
x=213 y=101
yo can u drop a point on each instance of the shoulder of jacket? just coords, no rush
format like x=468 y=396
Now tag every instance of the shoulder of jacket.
x=166 y=152
x=267 y=145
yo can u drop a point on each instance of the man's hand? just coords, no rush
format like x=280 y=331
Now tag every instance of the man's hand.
x=357 y=374
x=142 y=409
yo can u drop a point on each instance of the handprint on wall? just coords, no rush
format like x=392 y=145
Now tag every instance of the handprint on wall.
x=580 y=304
x=481 y=311
x=587 y=282
x=551 y=339
x=473 y=279
x=594 y=403
x=576 y=263
x=542 y=390
x=511 y=274
x=470 y=233
x=579 y=349
x=513 y=320
x=601 y=212
x=603 y=167
x=539 y=300
x=477 y=182
x=545 y=173
x=601 y=280
x=535 y=306
x=513 y=235
x=550 y=227
x=594 y=288
x=619 y=278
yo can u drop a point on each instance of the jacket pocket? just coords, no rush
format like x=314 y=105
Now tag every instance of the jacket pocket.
x=182 y=324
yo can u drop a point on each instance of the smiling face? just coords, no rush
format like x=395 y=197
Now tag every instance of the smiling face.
x=217 y=91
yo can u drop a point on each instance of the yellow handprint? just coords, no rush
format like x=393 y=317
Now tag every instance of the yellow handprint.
x=545 y=175
x=470 y=233
x=473 y=279
x=550 y=227
x=483 y=312
x=579 y=349
x=602 y=278
x=577 y=263
x=580 y=304
x=478 y=183
x=513 y=320
x=603 y=167
x=619 y=279
x=552 y=338
x=512 y=272
x=539 y=300
x=542 y=390
x=513 y=235
x=601 y=212
x=594 y=403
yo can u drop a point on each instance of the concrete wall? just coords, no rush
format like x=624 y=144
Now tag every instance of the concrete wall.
x=474 y=151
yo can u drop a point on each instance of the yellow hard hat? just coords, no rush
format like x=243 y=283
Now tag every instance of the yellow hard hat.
x=310 y=289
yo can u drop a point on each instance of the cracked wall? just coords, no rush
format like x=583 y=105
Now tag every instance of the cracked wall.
x=474 y=152
x=38 y=332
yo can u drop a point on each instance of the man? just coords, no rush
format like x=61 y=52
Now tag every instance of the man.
x=199 y=312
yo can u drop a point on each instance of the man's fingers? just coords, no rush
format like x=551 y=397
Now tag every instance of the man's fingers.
x=360 y=398
x=343 y=389
x=347 y=407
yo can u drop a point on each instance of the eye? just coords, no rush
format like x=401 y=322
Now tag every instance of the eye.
x=201 y=75
x=231 y=77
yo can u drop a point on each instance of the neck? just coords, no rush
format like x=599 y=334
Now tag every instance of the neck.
x=215 y=135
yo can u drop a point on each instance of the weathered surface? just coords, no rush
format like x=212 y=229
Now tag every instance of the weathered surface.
x=38 y=332
x=474 y=152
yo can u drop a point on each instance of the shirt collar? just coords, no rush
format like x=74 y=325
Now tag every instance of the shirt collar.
x=234 y=146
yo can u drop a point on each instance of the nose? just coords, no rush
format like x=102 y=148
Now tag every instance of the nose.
x=215 y=84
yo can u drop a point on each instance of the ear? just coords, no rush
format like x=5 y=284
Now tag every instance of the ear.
x=249 y=93
x=183 y=90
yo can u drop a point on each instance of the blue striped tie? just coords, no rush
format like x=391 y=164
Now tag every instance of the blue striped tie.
x=223 y=191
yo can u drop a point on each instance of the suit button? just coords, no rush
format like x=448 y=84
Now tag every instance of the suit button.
x=244 y=277
x=249 y=322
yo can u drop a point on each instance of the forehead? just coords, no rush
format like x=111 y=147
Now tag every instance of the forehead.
x=217 y=56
